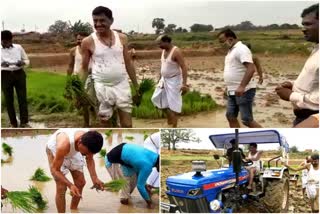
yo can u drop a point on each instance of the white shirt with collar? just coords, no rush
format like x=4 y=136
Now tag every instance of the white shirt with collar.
x=12 y=55
x=305 y=89
x=234 y=70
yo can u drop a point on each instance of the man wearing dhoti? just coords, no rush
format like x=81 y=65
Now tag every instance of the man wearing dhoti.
x=173 y=81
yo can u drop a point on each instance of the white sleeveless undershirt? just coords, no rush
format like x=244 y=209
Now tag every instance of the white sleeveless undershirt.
x=169 y=68
x=77 y=61
x=52 y=143
x=313 y=174
x=107 y=62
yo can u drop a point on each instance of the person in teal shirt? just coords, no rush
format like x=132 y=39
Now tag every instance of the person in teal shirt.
x=135 y=160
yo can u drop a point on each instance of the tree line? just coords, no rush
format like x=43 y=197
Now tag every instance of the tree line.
x=160 y=27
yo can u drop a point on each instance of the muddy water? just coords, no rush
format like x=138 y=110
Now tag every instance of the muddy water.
x=29 y=154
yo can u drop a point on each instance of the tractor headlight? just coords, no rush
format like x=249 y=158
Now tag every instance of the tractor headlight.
x=215 y=205
x=194 y=192
x=276 y=173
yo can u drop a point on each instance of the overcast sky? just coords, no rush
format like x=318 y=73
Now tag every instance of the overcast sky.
x=137 y=15
x=302 y=138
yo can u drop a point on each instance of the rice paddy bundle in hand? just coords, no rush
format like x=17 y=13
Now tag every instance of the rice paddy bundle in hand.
x=146 y=84
x=40 y=175
x=130 y=138
x=74 y=91
x=30 y=201
x=6 y=149
x=115 y=185
x=103 y=153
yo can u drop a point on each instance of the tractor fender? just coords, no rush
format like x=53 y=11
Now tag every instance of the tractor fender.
x=271 y=173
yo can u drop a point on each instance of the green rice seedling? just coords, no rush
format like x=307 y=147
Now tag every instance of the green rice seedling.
x=30 y=201
x=130 y=138
x=108 y=133
x=37 y=198
x=6 y=149
x=146 y=84
x=103 y=153
x=75 y=92
x=115 y=185
x=145 y=135
x=40 y=175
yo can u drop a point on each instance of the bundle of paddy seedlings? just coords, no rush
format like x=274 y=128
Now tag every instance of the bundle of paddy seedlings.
x=6 y=149
x=75 y=92
x=30 y=201
x=40 y=175
x=130 y=138
x=103 y=153
x=115 y=185
x=145 y=85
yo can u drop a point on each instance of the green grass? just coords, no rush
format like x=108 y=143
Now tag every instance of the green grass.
x=6 y=149
x=40 y=175
x=115 y=185
x=193 y=102
x=165 y=162
x=45 y=95
x=30 y=201
x=262 y=41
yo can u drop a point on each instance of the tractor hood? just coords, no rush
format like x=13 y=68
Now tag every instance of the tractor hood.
x=209 y=183
x=258 y=137
x=190 y=179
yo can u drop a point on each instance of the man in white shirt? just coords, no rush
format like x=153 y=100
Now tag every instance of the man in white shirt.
x=238 y=72
x=13 y=58
x=304 y=92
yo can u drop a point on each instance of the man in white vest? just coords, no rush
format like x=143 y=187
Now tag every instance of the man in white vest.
x=65 y=150
x=75 y=67
x=111 y=64
x=173 y=82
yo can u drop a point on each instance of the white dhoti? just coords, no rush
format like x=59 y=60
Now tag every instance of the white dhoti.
x=153 y=179
x=153 y=144
x=113 y=97
x=167 y=94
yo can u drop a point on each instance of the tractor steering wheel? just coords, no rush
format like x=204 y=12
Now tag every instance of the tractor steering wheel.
x=247 y=162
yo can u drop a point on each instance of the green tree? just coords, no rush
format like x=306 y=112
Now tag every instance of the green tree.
x=294 y=149
x=171 y=137
x=80 y=26
x=158 y=23
x=170 y=28
x=59 y=27
x=201 y=28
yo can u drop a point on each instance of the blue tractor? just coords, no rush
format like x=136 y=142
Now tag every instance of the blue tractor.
x=224 y=189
